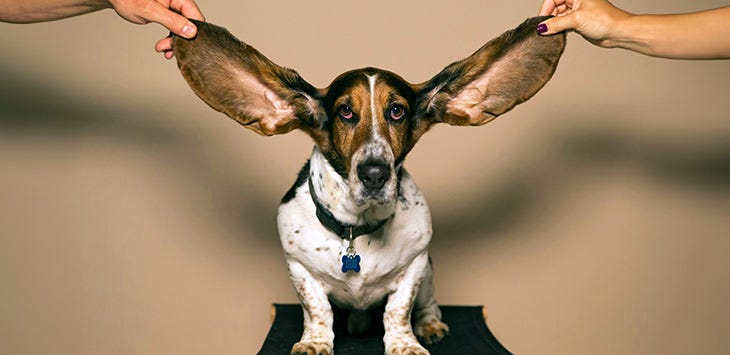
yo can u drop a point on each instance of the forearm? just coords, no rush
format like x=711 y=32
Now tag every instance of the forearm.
x=28 y=11
x=701 y=35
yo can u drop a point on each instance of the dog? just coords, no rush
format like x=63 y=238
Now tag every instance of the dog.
x=354 y=227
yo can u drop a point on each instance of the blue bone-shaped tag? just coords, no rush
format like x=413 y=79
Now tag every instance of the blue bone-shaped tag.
x=350 y=263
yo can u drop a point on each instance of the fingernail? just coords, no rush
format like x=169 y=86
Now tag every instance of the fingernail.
x=188 y=30
x=542 y=28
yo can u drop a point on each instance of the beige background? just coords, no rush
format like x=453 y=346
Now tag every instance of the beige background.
x=592 y=219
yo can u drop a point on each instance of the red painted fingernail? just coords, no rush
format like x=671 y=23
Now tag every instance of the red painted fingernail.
x=542 y=28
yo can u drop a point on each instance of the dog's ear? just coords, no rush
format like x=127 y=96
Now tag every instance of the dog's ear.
x=236 y=79
x=505 y=72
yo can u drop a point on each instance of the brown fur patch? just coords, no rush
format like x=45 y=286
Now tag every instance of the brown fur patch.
x=350 y=134
x=394 y=132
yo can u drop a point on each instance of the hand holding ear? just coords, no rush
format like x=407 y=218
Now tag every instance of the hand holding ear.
x=593 y=19
x=172 y=14
x=696 y=35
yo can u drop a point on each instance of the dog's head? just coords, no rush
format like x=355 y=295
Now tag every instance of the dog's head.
x=367 y=120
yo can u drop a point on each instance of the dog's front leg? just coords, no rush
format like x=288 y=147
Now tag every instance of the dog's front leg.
x=318 y=336
x=399 y=338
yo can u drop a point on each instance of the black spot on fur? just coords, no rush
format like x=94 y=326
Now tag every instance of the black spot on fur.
x=336 y=161
x=301 y=179
x=403 y=200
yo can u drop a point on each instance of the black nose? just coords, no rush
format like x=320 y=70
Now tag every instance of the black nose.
x=373 y=175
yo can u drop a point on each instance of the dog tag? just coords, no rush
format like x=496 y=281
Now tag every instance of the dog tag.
x=351 y=261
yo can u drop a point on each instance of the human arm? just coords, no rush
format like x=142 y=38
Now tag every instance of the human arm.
x=172 y=14
x=30 y=11
x=699 y=35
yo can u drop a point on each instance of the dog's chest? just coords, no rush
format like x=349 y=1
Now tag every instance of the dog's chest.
x=384 y=254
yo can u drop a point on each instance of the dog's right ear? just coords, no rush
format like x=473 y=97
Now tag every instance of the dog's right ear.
x=236 y=79
x=505 y=72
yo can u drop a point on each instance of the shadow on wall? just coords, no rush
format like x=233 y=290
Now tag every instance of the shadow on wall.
x=31 y=108
x=36 y=110
x=696 y=166
x=699 y=165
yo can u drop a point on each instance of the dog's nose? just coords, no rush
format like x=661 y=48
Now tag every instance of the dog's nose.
x=373 y=175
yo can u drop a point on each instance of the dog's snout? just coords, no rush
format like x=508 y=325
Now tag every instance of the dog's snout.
x=373 y=175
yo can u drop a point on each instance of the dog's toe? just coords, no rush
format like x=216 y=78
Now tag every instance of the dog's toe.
x=432 y=332
x=311 y=348
x=409 y=350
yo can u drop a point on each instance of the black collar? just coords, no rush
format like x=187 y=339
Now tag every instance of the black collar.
x=344 y=231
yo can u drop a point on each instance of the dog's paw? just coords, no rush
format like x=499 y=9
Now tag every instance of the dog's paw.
x=432 y=331
x=408 y=350
x=311 y=348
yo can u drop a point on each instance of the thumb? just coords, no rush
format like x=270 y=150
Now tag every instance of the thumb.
x=174 y=22
x=557 y=24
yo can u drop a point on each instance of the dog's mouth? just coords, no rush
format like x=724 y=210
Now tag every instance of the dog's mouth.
x=374 y=181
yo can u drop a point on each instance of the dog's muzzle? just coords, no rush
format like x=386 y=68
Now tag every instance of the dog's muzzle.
x=372 y=179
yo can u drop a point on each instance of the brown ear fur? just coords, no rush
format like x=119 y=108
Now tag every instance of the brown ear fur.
x=505 y=72
x=236 y=79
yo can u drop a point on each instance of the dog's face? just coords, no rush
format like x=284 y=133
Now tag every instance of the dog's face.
x=368 y=111
x=367 y=120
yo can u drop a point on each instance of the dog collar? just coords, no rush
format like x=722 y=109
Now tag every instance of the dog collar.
x=350 y=261
x=343 y=230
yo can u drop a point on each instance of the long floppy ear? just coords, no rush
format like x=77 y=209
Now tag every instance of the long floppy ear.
x=234 y=78
x=505 y=72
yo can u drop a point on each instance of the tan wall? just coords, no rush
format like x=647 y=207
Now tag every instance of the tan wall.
x=592 y=219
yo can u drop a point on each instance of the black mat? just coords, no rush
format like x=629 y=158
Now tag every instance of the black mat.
x=469 y=334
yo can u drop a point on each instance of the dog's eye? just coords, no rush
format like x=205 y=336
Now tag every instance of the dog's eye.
x=345 y=112
x=397 y=112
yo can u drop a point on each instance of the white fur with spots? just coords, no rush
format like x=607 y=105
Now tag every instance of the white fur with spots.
x=394 y=265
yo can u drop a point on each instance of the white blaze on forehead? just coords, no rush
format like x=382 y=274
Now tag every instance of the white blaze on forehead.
x=373 y=112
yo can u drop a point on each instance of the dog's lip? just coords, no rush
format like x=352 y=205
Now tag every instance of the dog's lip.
x=379 y=196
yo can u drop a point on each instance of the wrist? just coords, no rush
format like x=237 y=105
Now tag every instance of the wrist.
x=102 y=4
x=93 y=3
x=619 y=29
x=632 y=32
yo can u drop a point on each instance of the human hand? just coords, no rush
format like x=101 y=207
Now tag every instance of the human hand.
x=595 y=20
x=172 y=14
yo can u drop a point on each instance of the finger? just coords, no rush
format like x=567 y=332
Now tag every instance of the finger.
x=166 y=53
x=164 y=45
x=176 y=23
x=188 y=8
x=557 y=24
x=549 y=6
x=561 y=10
x=165 y=49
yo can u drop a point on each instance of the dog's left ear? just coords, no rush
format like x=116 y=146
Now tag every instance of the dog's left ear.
x=505 y=72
